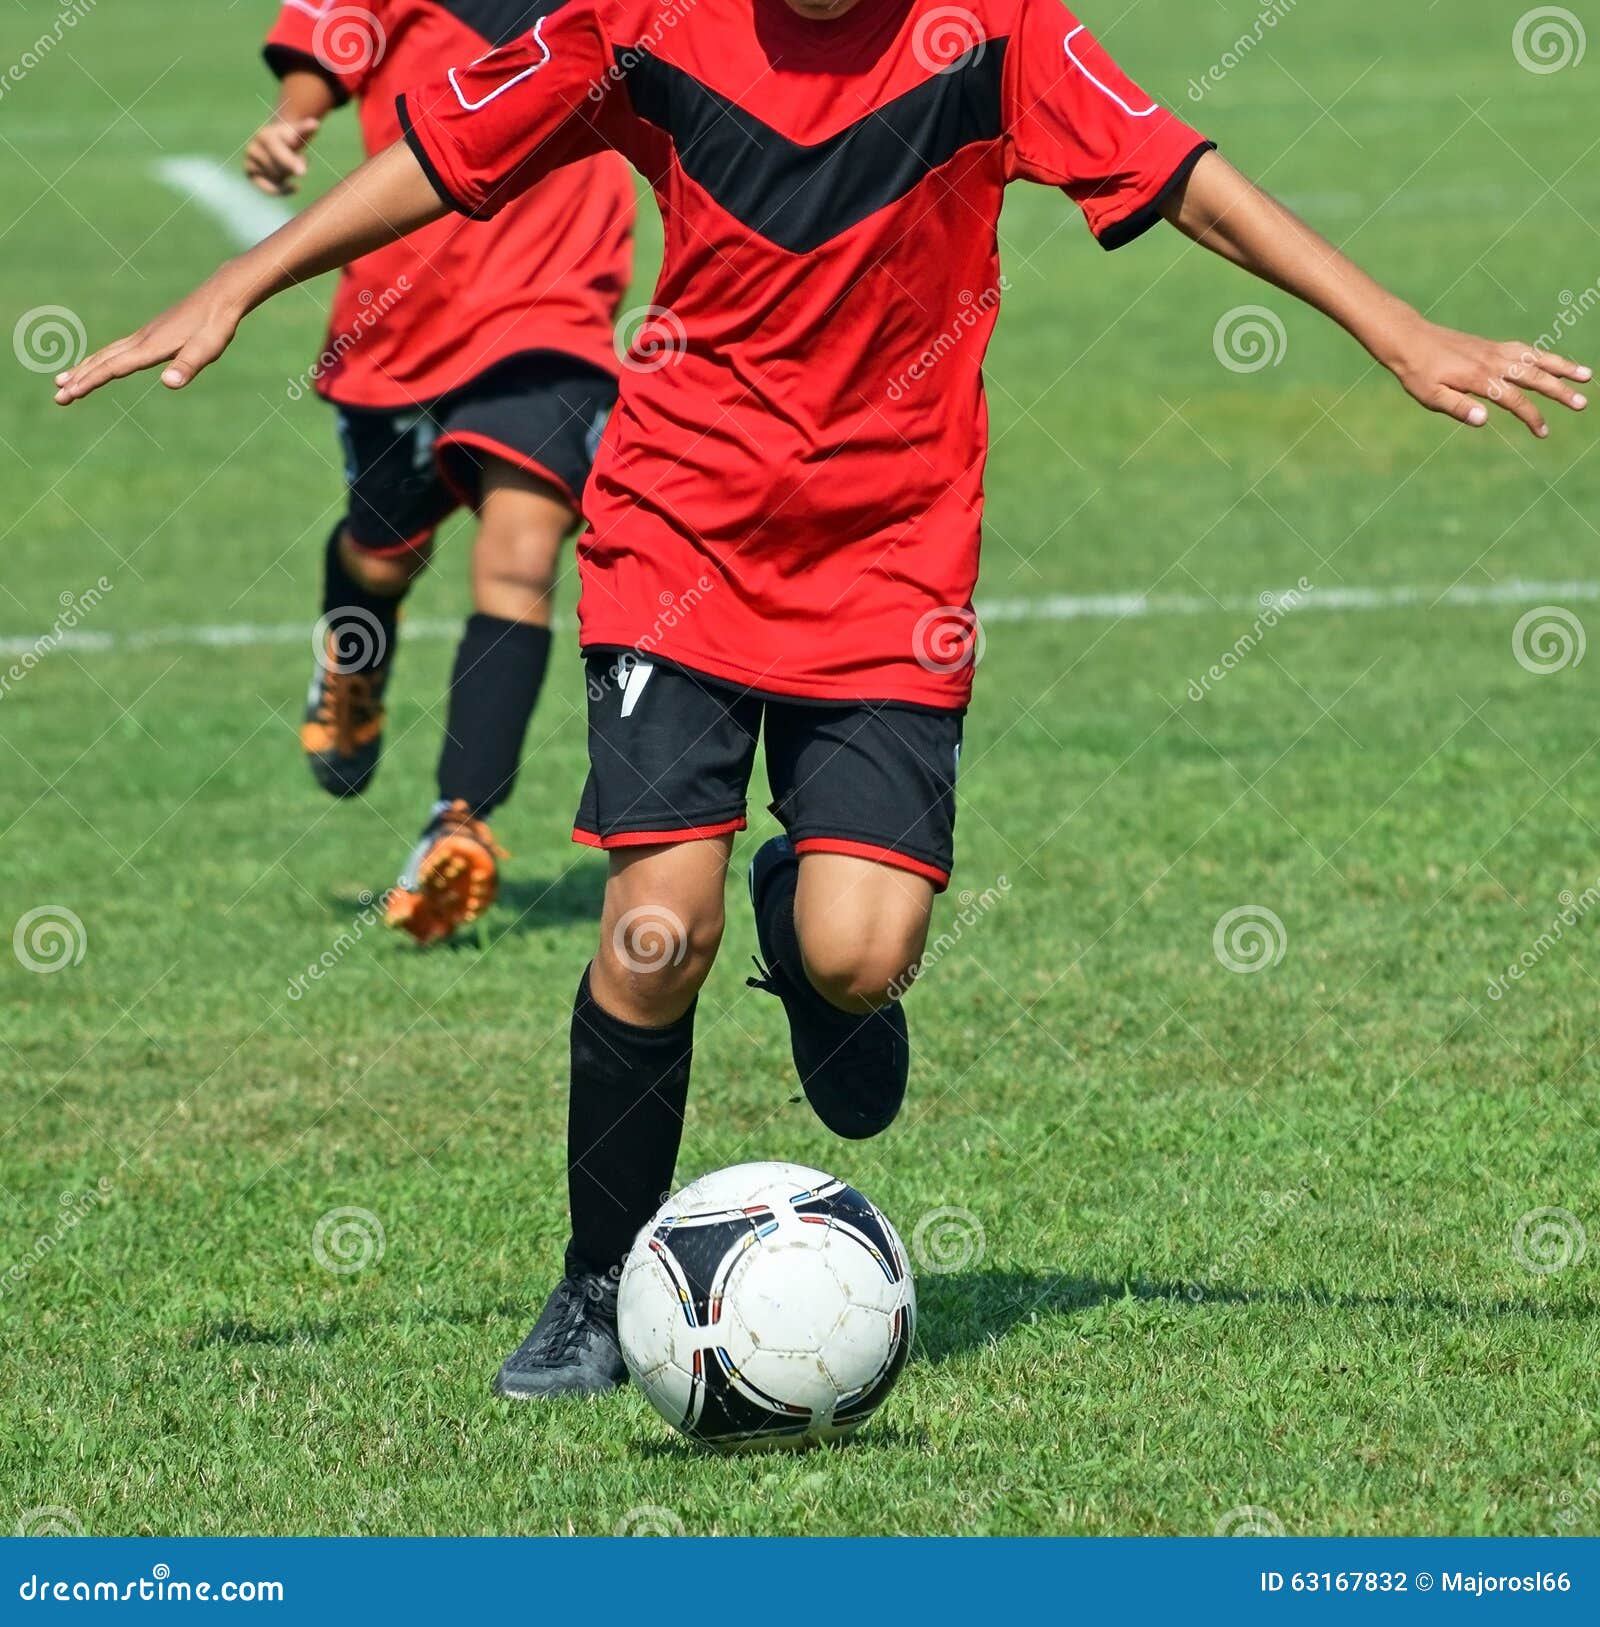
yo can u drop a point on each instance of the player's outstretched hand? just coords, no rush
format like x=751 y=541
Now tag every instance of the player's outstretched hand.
x=275 y=159
x=189 y=337
x=1446 y=371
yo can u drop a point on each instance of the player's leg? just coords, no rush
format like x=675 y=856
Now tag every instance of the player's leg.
x=515 y=445
x=632 y=1043
x=669 y=757
x=372 y=555
x=452 y=876
x=843 y=902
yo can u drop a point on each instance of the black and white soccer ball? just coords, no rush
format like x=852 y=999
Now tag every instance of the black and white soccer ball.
x=767 y=1305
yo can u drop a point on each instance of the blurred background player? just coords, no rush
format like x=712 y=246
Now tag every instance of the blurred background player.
x=471 y=365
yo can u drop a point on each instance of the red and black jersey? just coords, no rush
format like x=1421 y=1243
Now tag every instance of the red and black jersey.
x=423 y=317
x=799 y=446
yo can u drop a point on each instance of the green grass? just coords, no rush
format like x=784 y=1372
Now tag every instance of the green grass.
x=1247 y=1239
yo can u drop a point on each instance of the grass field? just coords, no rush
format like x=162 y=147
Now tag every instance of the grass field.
x=1230 y=1241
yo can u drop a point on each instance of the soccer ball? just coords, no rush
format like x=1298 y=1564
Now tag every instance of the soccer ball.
x=766 y=1305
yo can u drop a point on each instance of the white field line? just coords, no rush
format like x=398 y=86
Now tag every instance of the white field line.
x=243 y=213
x=1112 y=606
x=1060 y=607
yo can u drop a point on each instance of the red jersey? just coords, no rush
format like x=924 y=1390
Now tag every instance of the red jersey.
x=799 y=448
x=422 y=317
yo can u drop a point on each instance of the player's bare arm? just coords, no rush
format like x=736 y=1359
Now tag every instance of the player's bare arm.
x=274 y=159
x=1443 y=369
x=386 y=198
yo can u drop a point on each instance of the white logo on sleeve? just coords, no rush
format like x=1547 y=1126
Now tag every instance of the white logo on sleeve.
x=515 y=79
x=1099 y=85
x=632 y=675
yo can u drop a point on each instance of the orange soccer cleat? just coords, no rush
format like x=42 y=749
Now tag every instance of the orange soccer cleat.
x=342 y=734
x=451 y=878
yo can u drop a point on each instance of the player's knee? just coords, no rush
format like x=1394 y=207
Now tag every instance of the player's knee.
x=514 y=567
x=522 y=522
x=384 y=574
x=518 y=557
x=862 y=974
x=862 y=927
x=655 y=956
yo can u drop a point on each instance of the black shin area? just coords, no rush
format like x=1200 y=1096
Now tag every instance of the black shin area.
x=350 y=611
x=624 y=1123
x=499 y=669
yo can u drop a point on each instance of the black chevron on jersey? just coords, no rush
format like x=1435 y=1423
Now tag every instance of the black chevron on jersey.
x=801 y=197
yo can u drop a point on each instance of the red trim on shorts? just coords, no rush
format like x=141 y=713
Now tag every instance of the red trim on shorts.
x=878 y=855
x=495 y=449
x=657 y=838
x=393 y=550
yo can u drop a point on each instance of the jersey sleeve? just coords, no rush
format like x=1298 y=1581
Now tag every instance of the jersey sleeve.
x=341 y=41
x=1073 y=119
x=488 y=131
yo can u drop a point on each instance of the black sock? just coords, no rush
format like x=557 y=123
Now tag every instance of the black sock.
x=499 y=669
x=346 y=608
x=624 y=1123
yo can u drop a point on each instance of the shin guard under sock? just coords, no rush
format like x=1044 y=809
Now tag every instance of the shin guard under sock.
x=351 y=611
x=499 y=669
x=624 y=1123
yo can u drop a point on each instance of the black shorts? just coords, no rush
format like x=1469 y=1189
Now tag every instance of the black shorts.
x=671 y=752
x=407 y=468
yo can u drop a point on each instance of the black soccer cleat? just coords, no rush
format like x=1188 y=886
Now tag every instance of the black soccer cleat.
x=572 y=1348
x=342 y=734
x=853 y=1068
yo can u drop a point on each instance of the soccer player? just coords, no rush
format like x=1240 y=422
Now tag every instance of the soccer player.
x=783 y=518
x=471 y=365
